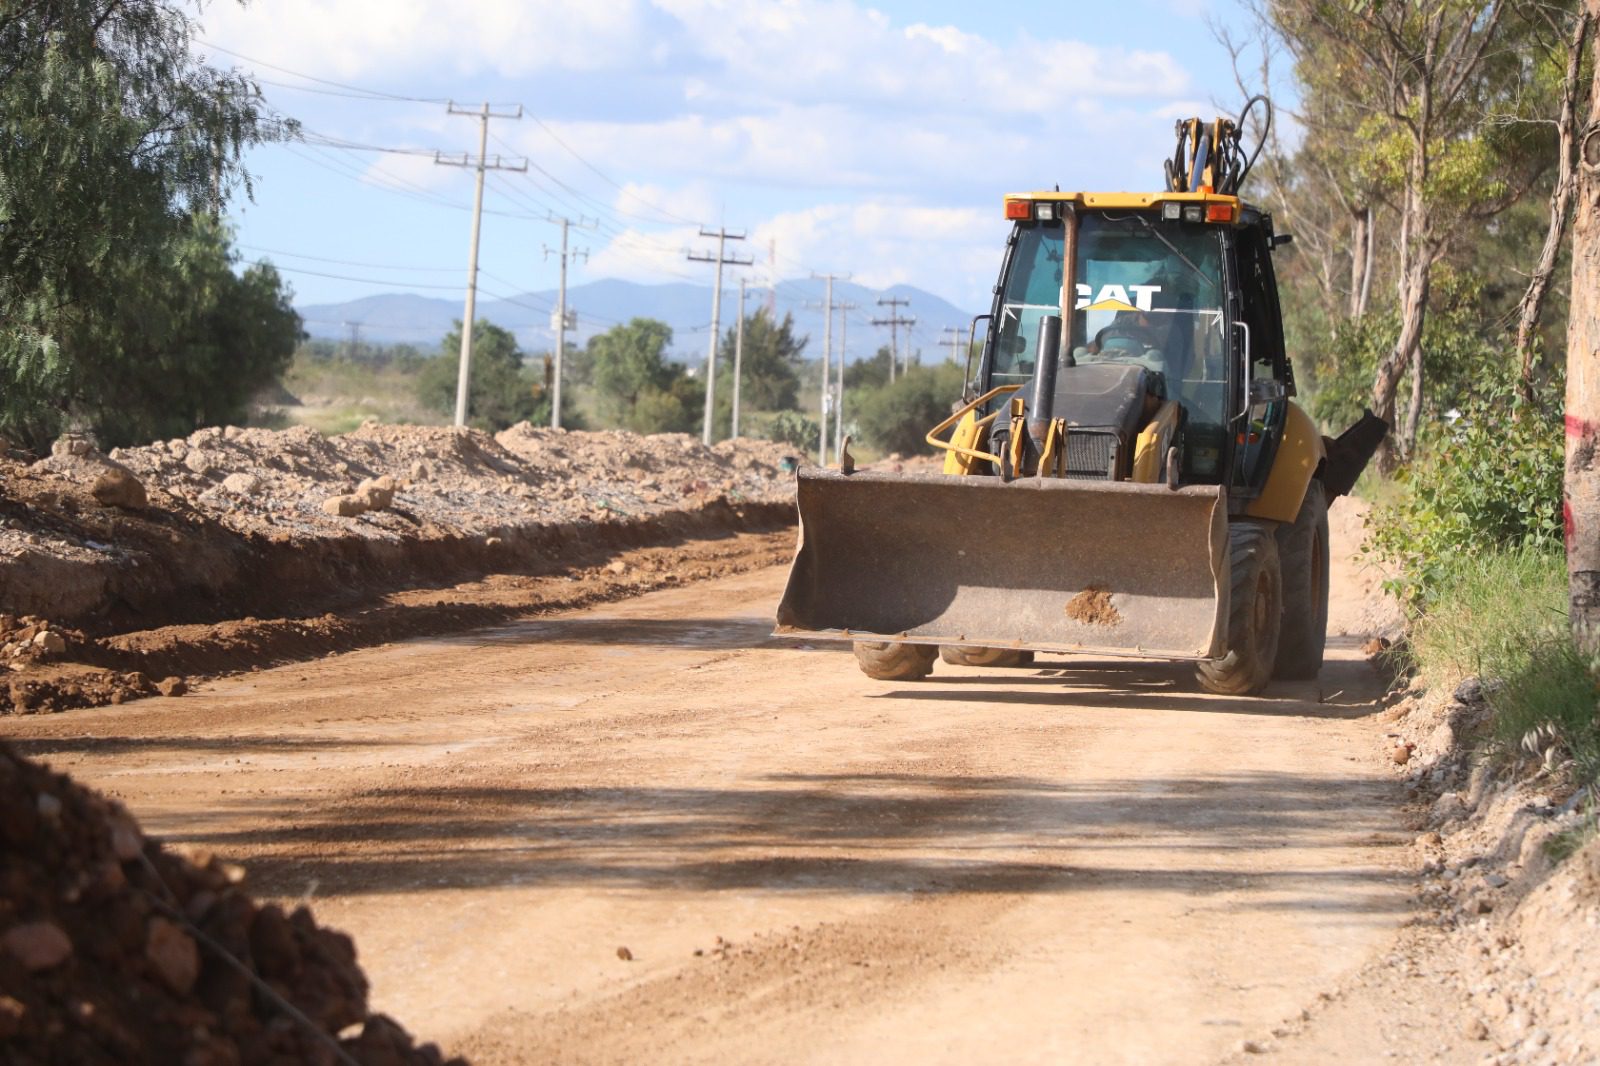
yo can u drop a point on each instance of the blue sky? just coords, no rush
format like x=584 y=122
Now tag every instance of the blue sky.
x=861 y=137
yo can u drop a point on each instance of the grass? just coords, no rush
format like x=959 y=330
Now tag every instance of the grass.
x=337 y=395
x=1503 y=617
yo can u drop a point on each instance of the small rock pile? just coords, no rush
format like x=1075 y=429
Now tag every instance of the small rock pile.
x=114 y=950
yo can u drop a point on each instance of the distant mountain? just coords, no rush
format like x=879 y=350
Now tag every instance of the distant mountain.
x=425 y=320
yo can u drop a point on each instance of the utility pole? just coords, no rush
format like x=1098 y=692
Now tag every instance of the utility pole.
x=827 y=361
x=561 y=316
x=955 y=334
x=894 y=322
x=738 y=359
x=772 y=277
x=721 y=259
x=355 y=339
x=484 y=114
x=845 y=307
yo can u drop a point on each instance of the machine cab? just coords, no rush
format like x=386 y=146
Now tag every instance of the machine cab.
x=1177 y=285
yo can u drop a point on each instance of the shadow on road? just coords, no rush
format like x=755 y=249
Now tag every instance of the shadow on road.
x=863 y=834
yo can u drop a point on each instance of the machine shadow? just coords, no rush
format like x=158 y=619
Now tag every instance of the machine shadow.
x=724 y=634
x=849 y=834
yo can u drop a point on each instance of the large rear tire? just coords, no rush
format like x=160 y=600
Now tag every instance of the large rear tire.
x=893 y=661
x=956 y=655
x=1303 y=558
x=1255 y=612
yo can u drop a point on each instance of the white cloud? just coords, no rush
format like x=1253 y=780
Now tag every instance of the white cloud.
x=354 y=39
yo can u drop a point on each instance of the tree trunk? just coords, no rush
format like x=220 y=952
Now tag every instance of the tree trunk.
x=1532 y=305
x=1360 y=256
x=1408 y=442
x=1581 y=503
x=1366 y=268
x=1408 y=346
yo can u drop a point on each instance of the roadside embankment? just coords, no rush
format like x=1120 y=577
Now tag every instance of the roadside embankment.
x=228 y=527
x=1501 y=773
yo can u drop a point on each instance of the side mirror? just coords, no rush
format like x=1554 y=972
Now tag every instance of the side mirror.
x=1280 y=239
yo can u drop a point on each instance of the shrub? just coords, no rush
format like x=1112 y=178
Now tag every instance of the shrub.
x=897 y=417
x=791 y=428
x=1491 y=481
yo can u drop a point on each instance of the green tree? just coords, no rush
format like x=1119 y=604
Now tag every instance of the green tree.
x=769 y=367
x=503 y=391
x=869 y=373
x=638 y=387
x=116 y=139
x=897 y=417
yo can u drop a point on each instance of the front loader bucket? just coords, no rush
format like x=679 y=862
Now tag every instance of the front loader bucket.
x=1045 y=564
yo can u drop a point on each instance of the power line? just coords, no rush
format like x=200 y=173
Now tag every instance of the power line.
x=377 y=94
x=348 y=262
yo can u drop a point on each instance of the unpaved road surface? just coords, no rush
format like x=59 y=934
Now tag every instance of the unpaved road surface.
x=1082 y=861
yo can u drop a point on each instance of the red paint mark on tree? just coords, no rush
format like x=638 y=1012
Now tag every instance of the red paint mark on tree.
x=1581 y=427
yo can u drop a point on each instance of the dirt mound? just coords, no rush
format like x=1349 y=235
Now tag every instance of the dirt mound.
x=114 y=950
x=236 y=522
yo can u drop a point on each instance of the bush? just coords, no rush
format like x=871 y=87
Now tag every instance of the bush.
x=1491 y=481
x=791 y=428
x=1502 y=616
x=896 y=418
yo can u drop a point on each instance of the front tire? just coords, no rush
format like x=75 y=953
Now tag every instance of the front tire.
x=893 y=661
x=957 y=655
x=1255 y=613
x=1303 y=558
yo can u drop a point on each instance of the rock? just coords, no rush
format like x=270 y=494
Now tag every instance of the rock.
x=127 y=843
x=624 y=954
x=200 y=462
x=1429 y=839
x=1474 y=1029
x=378 y=492
x=172 y=686
x=1448 y=807
x=1401 y=754
x=70 y=445
x=116 y=487
x=1252 y=1047
x=12 y=1015
x=1469 y=691
x=50 y=643
x=241 y=484
x=345 y=506
x=617 y=567
x=49 y=807
x=37 y=945
x=172 y=955
x=1496 y=880
x=419 y=471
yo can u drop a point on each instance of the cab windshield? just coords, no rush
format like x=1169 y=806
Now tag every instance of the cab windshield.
x=1147 y=292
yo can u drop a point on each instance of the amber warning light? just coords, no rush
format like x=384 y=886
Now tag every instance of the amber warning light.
x=1019 y=209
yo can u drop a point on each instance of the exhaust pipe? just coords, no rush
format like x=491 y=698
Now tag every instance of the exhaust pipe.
x=1042 y=390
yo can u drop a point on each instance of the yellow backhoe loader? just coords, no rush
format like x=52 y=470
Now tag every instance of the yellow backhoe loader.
x=1127 y=472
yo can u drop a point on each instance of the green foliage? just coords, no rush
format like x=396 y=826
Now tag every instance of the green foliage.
x=896 y=418
x=504 y=389
x=869 y=373
x=791 y=428
x=1502 y=616
x=638 y=388
x=115 y=139
x=769 y=367
x=1491 y=481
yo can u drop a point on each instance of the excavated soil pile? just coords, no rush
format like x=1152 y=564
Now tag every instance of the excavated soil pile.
x=113 y=950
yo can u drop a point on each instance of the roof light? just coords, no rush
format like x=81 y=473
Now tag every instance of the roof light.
x=1044 y=211
x=1170 y=212
x=1019 y=208
x=1219 y=212
x=1193 y=213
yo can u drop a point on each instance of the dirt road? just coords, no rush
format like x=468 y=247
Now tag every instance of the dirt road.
x=651 y=832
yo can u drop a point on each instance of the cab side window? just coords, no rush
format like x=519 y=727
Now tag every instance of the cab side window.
x=1256 y=434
